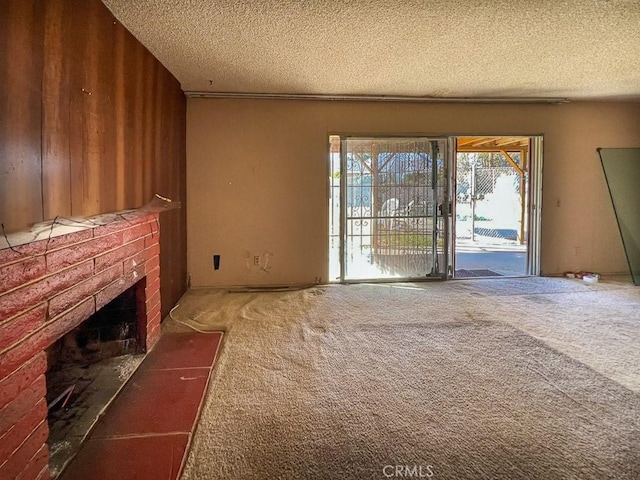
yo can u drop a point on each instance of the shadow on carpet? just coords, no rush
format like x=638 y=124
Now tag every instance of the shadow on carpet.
x=463 y=273
x=531 y=286
x=320 y=395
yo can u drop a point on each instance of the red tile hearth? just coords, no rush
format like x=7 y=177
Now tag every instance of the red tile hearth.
x=130 y=458
x=146 y=431
x=156 y=392
x=49 y=287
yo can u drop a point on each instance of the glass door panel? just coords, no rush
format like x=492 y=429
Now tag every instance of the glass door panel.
x=394 y=208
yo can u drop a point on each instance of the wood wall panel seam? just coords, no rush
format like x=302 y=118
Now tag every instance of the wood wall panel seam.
x=103 y=127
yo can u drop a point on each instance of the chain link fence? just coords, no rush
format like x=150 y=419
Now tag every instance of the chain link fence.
x=488 y=203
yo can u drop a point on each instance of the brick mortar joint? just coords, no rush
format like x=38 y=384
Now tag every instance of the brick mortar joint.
x=84 y=281
x=130 y=242
x=154 y=231
x=35 y=455
x=47 y=321
x=64 y=269
x=130 y=224
x=151 y=285
x=48 y=275
x=46 y=302
x=43 y=303
x=37 y=427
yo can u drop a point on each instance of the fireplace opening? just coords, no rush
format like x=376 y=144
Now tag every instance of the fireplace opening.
x=85 y=370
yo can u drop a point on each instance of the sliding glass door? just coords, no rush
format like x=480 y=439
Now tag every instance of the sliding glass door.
x=392 y=199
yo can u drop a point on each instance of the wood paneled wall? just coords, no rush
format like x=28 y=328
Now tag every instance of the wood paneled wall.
x=90 y=122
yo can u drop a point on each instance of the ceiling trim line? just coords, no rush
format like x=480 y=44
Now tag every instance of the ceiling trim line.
x=373 y=98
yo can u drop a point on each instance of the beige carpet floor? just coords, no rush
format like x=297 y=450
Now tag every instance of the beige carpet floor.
x=476 y=379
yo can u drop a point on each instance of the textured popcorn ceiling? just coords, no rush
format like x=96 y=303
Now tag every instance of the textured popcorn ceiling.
x=441 y=48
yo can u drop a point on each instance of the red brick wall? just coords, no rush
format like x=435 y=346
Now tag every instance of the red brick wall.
x=46 y=289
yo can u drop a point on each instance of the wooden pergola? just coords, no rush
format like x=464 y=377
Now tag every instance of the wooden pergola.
x=504 y=146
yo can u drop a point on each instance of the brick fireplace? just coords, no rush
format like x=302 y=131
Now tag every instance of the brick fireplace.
x=49 y=287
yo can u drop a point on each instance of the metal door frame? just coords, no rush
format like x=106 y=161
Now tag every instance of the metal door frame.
x=535 y=205
x=534 y=200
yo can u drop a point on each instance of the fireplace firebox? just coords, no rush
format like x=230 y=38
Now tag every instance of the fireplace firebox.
x=49 y=292
x=85 y=370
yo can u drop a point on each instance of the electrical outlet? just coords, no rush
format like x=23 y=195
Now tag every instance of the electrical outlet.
x=256 y=260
